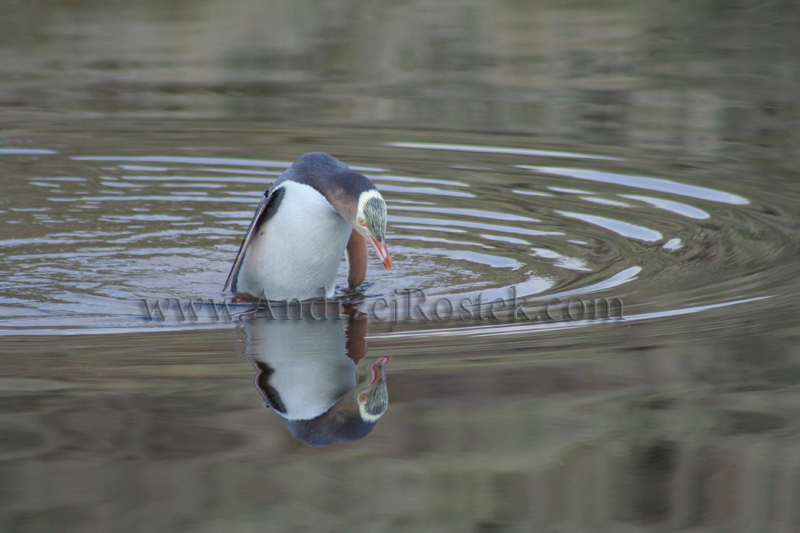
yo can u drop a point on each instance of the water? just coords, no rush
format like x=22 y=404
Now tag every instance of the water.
x=552 y=152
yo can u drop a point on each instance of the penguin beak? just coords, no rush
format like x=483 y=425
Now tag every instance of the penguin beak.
x=378 y=370
x=383 y=251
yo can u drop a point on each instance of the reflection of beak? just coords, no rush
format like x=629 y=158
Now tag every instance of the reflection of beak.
x=378 y=370
x=383 y=251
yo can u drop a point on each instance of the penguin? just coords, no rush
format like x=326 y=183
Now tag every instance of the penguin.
x=307 y=373
x=317 y=210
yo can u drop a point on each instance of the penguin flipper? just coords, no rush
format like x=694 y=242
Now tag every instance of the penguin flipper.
x=269 y=204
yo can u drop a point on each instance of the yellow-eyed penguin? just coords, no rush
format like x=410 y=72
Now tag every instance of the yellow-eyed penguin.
x=314 y=212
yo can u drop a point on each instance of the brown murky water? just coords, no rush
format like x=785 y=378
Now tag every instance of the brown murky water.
x=556 y=152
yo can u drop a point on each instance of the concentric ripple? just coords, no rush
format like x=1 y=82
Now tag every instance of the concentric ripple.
x=89 y=236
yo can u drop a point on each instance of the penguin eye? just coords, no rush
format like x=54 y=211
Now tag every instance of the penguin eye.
x=363 y=397
x=362 y=221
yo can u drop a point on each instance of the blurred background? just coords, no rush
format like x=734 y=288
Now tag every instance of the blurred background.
x=703 y=77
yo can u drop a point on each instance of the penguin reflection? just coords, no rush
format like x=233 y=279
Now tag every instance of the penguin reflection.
x=306 y=371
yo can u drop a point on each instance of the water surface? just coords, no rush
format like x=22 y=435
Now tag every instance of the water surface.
x=554 y=152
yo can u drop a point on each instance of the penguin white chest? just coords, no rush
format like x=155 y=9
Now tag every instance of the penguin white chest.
x=297 y=252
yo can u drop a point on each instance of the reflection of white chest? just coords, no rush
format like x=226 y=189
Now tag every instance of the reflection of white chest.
x=311 y=368
x=298 y=251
